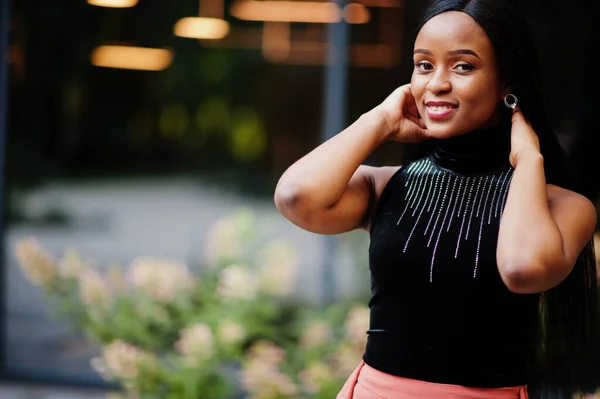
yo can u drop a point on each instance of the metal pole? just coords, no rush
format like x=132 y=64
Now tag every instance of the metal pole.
x=334 y=118
x=4 y=41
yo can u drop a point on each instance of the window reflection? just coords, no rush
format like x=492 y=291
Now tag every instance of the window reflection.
x=135 y=125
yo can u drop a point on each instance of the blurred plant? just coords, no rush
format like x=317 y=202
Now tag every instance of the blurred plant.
x=169 y=331
x=328 y=348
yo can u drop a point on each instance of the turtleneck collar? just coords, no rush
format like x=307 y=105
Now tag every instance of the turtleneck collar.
x=479 y=151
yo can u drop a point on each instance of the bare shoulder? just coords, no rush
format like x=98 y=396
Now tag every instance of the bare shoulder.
x=557 y=193
x=570 y=201
x=379 y=176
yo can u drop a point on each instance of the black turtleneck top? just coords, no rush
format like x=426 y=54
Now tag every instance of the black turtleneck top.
x=439 y=309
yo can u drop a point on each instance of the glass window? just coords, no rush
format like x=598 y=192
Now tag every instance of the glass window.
x=128 y=135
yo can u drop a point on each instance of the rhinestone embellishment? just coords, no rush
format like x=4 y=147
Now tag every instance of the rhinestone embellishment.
x=439 y=198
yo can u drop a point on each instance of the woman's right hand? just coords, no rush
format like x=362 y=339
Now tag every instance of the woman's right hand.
x=400 y=111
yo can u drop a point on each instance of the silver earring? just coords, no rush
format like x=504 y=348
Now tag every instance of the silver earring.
x=513 y=101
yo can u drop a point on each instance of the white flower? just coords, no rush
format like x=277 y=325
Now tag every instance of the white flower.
x=357 y=324
x=279 y=268
x=237 y=282
x=261 y=376
x=222 y=241
x=267 y=352
x=230 y=333
x=115 y=279
x=121 y=360
x=161 y=279
x=37 y=265
x=317 y=334
x=266 y=382
x=71 y=264
x=345 y=360
x=93 y=289
x=314 y=376
x=195 y=343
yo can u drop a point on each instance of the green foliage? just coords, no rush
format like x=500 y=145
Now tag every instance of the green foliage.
x=170 y=331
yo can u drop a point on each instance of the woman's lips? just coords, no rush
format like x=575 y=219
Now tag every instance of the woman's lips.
x=440 y=110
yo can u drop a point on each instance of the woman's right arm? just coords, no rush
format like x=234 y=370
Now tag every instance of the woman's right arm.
x=328 y=191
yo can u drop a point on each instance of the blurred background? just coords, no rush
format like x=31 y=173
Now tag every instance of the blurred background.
x=129 y=128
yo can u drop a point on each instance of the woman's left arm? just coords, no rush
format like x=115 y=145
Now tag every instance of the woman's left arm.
x=543 y=227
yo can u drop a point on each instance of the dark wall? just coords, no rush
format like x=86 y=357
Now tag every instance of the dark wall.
x=566 y=33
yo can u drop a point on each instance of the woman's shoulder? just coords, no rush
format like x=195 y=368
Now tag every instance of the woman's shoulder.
x=556 y=193
x=380 y=177
x=564 y=202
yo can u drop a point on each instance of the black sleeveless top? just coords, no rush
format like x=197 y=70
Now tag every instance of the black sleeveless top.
x=439 y=309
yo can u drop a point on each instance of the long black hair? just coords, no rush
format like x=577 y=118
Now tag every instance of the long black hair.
x=568 y=312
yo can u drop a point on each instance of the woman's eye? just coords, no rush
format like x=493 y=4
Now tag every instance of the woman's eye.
x=424 y=66
x=464 y=67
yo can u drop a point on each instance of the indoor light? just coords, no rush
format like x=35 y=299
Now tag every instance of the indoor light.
x=286 y=11
x=113 y=3
x=127 y=57
x=201 y=28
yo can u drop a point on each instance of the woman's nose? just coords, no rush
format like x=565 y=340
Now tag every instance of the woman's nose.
x=439 y=82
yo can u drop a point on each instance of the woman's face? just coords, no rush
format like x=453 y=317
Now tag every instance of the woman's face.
x=455 y=81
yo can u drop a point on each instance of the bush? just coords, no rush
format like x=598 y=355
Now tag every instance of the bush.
x=231 y=324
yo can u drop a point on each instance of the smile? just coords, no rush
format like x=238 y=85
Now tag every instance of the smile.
x=440 y=111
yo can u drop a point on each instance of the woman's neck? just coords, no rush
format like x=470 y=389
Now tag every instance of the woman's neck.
x=478 y=151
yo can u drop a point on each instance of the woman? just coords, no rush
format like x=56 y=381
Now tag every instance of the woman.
x=475 y=237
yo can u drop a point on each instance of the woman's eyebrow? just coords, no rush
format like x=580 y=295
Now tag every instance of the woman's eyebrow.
x=453 y=52
x=464 y=51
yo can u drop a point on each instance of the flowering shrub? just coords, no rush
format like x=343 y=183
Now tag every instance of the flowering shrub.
x=328 y=348
x=170 y=331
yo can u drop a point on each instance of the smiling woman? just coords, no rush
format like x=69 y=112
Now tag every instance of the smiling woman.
x=456 y=89
x=483 y=278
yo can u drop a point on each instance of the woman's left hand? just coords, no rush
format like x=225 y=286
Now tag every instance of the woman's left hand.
x=522 y=137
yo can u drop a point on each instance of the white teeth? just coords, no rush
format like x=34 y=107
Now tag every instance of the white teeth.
x=439 y=108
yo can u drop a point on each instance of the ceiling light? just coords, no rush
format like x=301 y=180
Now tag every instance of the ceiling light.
x=201 y=28
x=127 y=57
x=286 y=11
x=113 y=3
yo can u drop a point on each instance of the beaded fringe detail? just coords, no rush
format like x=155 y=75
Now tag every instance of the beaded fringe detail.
x=440 y=198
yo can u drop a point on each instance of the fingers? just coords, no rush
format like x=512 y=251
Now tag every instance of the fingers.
x=409 y=106
x=408 y=102
x=413 y=119
x=407 y=93
x=417 y=121
x=523 y=129
x=518 y=118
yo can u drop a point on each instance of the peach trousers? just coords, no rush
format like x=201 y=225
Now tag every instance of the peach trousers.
x=368 y=383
